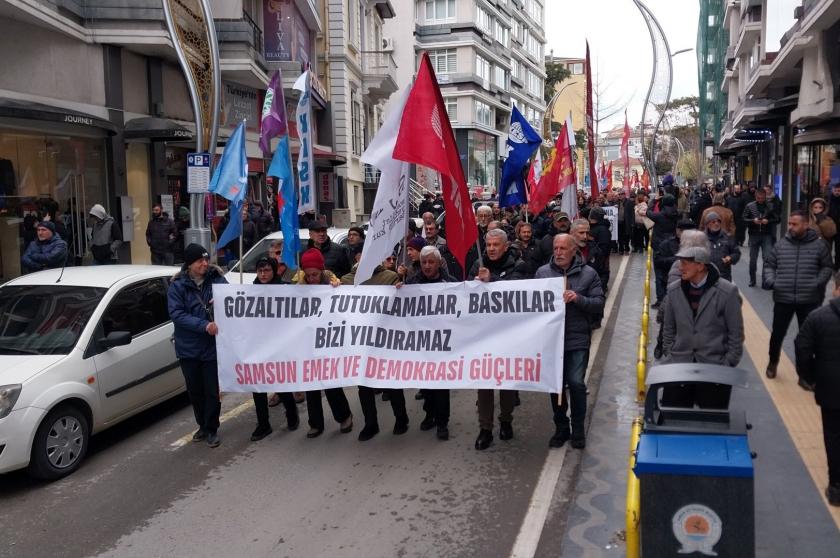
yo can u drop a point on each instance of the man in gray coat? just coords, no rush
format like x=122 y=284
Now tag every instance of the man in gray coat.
x=797 y=270
x=702 y=323
x=584 y=298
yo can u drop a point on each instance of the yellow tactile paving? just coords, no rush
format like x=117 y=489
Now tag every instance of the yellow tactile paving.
x=796 y=406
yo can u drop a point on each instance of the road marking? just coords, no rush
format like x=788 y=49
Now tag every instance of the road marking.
x=799 y=412
x=528 y=538
x=236 y=411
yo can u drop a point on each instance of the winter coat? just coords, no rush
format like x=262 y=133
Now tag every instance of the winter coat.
x=505 y=268
x=161 y=232
x=664 y=224
x=191 y=311
x=582 y=314
x=666 y=254
x=336 y=257
x=420 y=279
x=723 y=245
x=701 y=203
x=381 y=276
x=754 y=210
x=798 y=269
x=715 y=335
x=736 y=204
x=822 y=224
x=48 y=254
x=592 y=257
x=600 y=231
x=106 y=237
x=818 y=353
x=727 y=219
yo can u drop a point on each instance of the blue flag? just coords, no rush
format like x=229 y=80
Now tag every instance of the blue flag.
x=281 y=167
x=230 y=179
x=234 y=226
x=522 y=142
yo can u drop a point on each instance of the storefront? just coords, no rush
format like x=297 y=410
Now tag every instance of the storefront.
x=817 y=164
x=53 y=162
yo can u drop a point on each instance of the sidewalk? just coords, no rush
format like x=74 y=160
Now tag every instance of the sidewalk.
x=792 y=518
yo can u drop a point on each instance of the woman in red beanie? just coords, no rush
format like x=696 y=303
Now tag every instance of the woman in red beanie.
x=314 y=273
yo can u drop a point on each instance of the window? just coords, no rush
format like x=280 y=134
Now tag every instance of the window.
x=483 y=19
x=533 y=46
x=137 y=309
x=502 y=34
x=517 y=31
x=357 y=123
x=440 y=9
x=483 y=114
x=354 y=23
x=444 y=61
x=452 y=108
x=577 y=69
x=500 y=77
x=482 y=68
x=515 y=68
x=534 y=84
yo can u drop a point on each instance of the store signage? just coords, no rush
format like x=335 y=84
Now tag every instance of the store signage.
x=325 y=187
x=287 y=36
x=75 y=119
x=240 y=103
x=198 y=173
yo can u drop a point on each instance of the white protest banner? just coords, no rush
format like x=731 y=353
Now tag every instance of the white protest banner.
x=503 y=335
x=611 y=214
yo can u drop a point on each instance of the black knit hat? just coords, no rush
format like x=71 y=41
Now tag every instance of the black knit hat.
x=47 y=225
x=194 y=252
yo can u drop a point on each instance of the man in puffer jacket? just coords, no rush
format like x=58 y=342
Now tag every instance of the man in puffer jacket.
x=106 y=237
x=664 y=226
x=797 y=270
x=47 y=251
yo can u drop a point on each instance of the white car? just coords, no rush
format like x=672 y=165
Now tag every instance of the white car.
x=78 y=355
x=261 y=249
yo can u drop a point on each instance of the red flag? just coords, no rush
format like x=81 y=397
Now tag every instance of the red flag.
x=534 y=173
x=625 y=154
x=609 y=177
x=426 y=138
x=558 y=173
x=590 y=127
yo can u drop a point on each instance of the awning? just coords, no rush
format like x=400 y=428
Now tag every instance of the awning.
x=155 y=129
x=13 y=108
x=323 y=157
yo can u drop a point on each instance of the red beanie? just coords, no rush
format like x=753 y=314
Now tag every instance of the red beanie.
x=312 y=258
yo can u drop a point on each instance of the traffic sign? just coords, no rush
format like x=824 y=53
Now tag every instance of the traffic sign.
x=198 y=172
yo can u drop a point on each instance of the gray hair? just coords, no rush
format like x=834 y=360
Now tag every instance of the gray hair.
x=494 y=225
x=578 y=223
x=484 y=209
x=694 y=239
x=493 y=233
x=431 y=251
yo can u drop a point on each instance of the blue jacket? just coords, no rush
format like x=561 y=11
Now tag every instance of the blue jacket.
x=49 y=254
x=191 y=311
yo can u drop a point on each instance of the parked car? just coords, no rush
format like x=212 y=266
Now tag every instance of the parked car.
x=81 y=349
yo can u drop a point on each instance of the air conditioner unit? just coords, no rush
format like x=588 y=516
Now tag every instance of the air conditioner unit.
x=387 y=44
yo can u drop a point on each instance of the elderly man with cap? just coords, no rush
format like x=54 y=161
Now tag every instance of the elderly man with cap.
x=560 y=224
x=702 y=323
x=47 y=251
x=190 y=300
x=336 y=258
x=725 y=251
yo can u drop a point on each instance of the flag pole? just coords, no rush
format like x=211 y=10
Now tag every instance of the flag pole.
x=241 y=221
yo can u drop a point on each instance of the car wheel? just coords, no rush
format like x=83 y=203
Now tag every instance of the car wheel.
x=60 y=443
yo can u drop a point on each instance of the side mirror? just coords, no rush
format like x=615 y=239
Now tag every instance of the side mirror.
x=115 y=339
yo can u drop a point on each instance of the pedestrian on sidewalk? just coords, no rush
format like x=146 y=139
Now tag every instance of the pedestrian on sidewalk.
x=737 y=202
x=584 y=300
x=759 y=216
x=105 y=237
x=818 y=367
x=725 y=251
x=47 y=251
x=702 y=323
x=161 y=233
x=190 y=301
x=797 y=270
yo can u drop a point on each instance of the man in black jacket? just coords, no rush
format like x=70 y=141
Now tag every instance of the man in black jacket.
x=818 y=367
x=599 y=228
x=797 y=270
x=161 y=233
x=626 y=220
x=336 y=258
x=736 y=202
x=664 y=226
x=759 y=216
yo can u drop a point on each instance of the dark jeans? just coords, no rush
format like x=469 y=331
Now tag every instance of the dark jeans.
x=640 y=238
x=574 y=372
x=758 y=242
x=367 y=398
x=831 y=437
x=740 y=230
x=163 y=258
x=623 y=238
x=782 y=315
x=486 y=404
x=436 y=403
x=261 y=407
x=337 y=401
x=202 y=380
x=661 y=282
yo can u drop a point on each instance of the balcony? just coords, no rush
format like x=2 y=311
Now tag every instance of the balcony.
x=378 y=75
x=749 y=33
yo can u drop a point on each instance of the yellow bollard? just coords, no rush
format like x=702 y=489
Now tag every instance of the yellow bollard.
x=645 y=318
x=641 y=372
x=633 y=504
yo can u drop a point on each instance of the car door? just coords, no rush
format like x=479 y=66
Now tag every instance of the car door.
x=146 y=369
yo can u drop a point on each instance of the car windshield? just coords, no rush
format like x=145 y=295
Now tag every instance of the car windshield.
x=260 y=250
x=44 y=319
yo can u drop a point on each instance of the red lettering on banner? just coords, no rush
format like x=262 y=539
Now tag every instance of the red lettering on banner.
x=393 y=372
x=238 y=368
x=370 y=367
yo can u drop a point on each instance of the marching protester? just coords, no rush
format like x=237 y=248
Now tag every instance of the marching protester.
x=267 y=275
x=498 y=265
x=626 y=220
x=435 y=401
x=432 y=233
x=584 y=300
x=525 y=244
x=664 y=226
x=105 y=237
x=412 y=250
x=47 y=251
x=818 y=367
x=355 y=235
x=427 y=205
x=560 y=224
x=161 y=233
x=190 y=301
x=759 y=216
x=335 y=256
x=599 y=229
x=702 y=322
x=797 y=270
x=724 y=248
x=315 y=273
x=640 y=230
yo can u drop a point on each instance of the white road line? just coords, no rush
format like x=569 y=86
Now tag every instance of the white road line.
x=528 y=538
x=236 y=411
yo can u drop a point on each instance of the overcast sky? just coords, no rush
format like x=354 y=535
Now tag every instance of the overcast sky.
x=620 y=46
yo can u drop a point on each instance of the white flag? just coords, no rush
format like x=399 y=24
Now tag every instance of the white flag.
x=306 y=161
x=388 y=223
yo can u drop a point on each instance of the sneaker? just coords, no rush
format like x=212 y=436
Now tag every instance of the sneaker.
x=401 y=427
x=428 y=422
x=579 y=443
x=314 y=432
x=199 y=435
x=832 y=493
x=261 y=432
x=771 y=369
x=368 y=432
x=561 y=436
x=485 y=438
x=442 y=432
x=213 y=440
x=505 y=431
